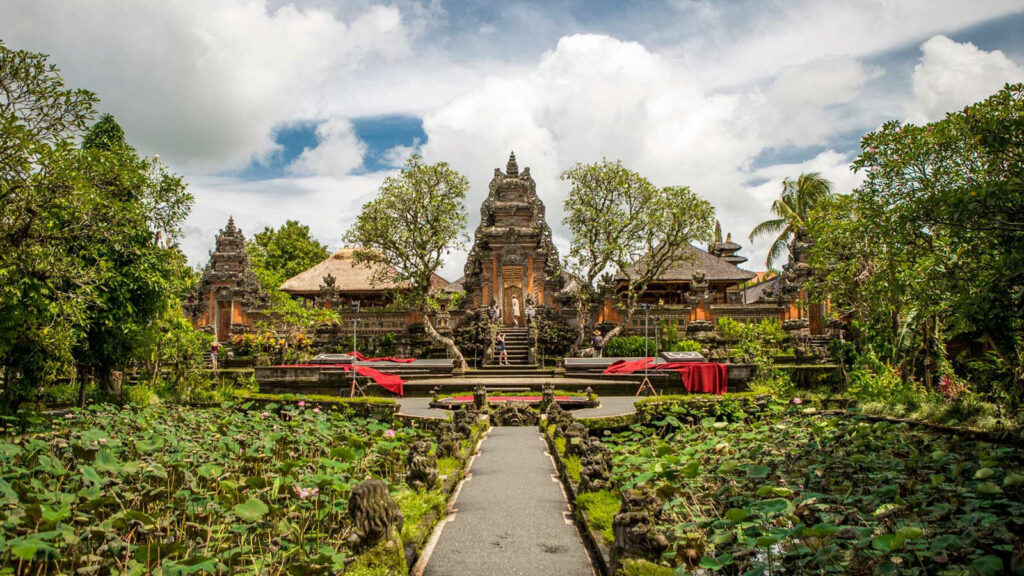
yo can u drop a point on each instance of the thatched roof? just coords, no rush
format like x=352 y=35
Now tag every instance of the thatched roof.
x=717 y=269
x=348 y=277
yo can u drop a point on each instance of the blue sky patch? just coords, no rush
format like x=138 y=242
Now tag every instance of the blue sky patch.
x=382 y=133
x=379 y=133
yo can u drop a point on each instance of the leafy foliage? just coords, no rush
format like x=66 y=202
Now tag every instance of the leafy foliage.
x=792 y=211
x=232 y=490
x=407 y=231
x=629 y=346
x=277 y=255
x=930 y=249
x=86 y=250
x=799 y=493
x=620 y=221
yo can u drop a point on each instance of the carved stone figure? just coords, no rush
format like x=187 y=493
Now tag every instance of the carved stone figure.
x=636 y=535
x=547 y=397
x=575 y=436
x=447 y=443
x=480 y=397
x=421 y=466
x=464 y=421
x=374 y=513
x=515 y=414
x=559 y=417
x=596 y=466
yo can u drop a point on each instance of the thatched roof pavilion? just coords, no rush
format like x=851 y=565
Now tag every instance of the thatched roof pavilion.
x=351 y=281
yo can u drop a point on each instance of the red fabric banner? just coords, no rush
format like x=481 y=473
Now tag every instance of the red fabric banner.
x=697 y=377
x=387 y=381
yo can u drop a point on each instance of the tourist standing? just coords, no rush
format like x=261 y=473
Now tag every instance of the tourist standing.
x=502 y=351
x=214 y=349
x=598 y=342
x=515 y=311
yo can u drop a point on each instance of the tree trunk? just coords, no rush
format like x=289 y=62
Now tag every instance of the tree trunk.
x=82 y=382
x=627 y=317
x=111 y=386
x=460 y=362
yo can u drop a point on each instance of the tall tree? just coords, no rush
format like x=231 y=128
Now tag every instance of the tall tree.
x=136 y=270
x=792 y=211
x=407 y=231
x=620 y=221
x=277 y=255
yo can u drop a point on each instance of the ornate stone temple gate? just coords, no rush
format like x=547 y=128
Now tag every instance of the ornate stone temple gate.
x=512 y=253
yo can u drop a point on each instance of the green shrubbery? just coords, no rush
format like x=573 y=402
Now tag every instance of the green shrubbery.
x=629 y=346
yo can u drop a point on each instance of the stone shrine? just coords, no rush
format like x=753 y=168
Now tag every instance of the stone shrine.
x=228 y=298
x=512 y=253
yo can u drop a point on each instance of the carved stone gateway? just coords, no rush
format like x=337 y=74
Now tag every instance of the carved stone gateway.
x=512 y=253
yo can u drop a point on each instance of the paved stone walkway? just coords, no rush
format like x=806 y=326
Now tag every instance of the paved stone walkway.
x=610 y=406
x=420 y=408
x=511 y=515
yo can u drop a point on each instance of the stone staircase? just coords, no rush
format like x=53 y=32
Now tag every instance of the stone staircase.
x=517 y=343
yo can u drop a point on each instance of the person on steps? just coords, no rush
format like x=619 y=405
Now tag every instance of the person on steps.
x=515 y=311
x=502 y=352
x=598 y=342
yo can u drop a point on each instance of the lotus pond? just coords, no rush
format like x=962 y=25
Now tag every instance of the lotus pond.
x=799 y=493
x=235 y=489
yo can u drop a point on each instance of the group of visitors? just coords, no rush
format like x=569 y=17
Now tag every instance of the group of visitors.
x=529 y=312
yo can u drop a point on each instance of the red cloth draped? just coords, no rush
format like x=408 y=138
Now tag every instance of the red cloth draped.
x=362 y=358
x=697 y=377
x=627 y=366
x=387 y=381
x=700 y=377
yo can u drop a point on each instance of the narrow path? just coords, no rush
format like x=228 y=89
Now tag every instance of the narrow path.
x=511 y=515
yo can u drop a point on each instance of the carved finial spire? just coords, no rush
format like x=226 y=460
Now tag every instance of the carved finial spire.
x=231 y=224
x=512 y=169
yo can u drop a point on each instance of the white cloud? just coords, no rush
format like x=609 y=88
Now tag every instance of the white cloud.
x=951 y=75
x=204 y=83
x=397 y=155
x=693 y=100
x=338 y=151
x=327 y=205
x=594 y=96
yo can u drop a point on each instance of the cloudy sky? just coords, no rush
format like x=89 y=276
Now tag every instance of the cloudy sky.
x=278 y=110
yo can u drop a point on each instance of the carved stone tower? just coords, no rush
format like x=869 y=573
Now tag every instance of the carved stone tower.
x=228 y=298
x=512 y=252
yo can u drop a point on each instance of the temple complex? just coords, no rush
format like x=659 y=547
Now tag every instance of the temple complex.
x=228 y=299
x=512 y=256
x=512 y=253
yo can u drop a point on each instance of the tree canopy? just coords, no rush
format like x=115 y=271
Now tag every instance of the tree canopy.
x=931 y=247
x=410 y=228
x=86 y=246
x=620 y=221
x=792 y=212
x=277 y=255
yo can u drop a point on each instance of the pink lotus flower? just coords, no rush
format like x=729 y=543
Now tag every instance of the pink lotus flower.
x=797 y=401
x=69 y=416
x=316 y=410
x=306 y=493
x=302 y=403
x=102 y=440
x=264 y=414
x=389 y=433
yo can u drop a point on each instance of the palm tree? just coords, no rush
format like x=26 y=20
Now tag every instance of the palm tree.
x=792 y=210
